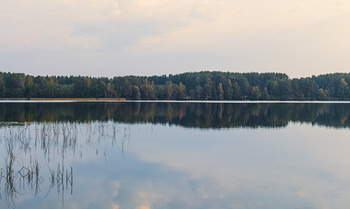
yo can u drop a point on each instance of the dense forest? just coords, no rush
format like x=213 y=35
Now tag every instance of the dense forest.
x=185 y=86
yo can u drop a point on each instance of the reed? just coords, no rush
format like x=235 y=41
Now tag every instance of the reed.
x=22 y=171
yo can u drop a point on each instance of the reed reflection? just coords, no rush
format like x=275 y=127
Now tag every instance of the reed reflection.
x=194 y=115
x=37 y=156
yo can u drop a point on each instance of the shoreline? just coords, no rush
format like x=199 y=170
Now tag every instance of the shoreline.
x=58 y=100
x=63 y=99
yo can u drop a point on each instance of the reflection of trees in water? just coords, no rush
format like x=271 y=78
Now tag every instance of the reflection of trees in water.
x=197 y=115
x=24 y=170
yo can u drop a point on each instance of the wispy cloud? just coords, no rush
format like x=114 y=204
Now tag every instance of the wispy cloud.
x=301 y=37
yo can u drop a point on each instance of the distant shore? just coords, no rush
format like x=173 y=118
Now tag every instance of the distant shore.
x=213 y=86
x=66 y=99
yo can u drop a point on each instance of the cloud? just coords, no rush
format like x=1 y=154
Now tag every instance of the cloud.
x=298 y=37
x=42 y=25
x=227 y=22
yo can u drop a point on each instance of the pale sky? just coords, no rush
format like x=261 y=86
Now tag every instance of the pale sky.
x=157 y=37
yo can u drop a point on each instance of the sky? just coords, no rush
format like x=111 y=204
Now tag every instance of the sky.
x=156 y=37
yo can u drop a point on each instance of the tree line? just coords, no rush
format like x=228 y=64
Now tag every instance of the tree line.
x=185 y=86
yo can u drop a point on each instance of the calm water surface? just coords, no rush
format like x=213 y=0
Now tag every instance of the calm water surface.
x=174 y=155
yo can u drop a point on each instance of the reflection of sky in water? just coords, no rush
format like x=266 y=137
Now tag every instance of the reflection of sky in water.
x=300 y=166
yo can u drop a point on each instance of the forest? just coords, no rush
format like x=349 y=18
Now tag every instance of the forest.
x=186 y=86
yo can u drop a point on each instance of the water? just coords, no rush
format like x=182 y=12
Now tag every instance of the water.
x=174 y=155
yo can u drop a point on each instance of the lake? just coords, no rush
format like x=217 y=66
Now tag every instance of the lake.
x=116 y=155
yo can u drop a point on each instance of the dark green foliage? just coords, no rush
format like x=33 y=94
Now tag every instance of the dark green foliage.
x=186 y=86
